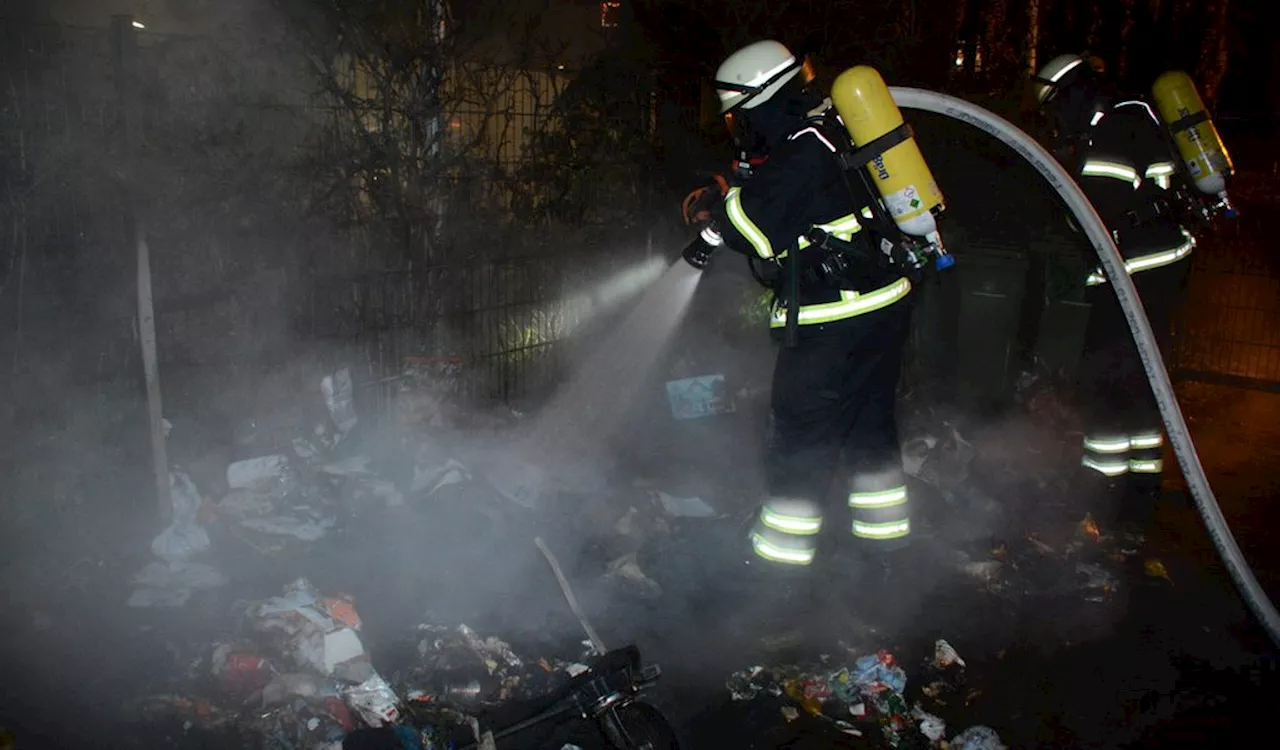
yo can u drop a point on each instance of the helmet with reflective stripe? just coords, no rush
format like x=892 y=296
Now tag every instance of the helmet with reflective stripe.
x=1060 y=71
x=753 y=74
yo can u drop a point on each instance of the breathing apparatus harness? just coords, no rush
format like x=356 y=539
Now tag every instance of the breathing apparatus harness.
x=893 y=251
x=842 y=259
x=898 y=250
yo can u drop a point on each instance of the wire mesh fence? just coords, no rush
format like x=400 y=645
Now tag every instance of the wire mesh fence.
x=1229 y=329
x=238 y=285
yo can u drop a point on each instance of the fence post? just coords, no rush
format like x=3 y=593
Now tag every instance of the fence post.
x=124 y=50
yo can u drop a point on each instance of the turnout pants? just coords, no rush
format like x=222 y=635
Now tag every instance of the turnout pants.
x=834 y=416
x=1123 y=434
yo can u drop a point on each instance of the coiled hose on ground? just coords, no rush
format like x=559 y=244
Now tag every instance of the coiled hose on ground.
x=1113 y=265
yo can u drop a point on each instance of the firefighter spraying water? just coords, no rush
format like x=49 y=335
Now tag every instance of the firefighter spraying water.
x=837 y=215
x=839 y=221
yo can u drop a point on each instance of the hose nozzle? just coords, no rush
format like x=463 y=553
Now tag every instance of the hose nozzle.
x=698 y=253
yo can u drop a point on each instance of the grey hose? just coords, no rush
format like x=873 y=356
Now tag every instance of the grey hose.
x=1113 y=265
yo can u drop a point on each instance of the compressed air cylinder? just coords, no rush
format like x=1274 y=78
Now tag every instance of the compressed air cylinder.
x=1193 y=132
x=900 y=173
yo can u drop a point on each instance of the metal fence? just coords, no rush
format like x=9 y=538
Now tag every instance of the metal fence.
x=498 y=327
x=1229 y=329
x=503 y=315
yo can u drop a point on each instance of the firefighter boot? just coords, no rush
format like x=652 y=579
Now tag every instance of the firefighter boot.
x=1137 y=511
x=1100 y=496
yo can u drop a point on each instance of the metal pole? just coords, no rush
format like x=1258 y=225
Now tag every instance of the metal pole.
x=125 y=52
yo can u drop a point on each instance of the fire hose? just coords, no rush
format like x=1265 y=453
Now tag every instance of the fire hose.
x=1113 y=264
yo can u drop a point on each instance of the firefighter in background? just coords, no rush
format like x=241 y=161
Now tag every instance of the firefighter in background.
x=834 y=391
x=1118 y=152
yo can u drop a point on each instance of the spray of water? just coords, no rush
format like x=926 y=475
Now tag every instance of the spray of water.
x=577 y=424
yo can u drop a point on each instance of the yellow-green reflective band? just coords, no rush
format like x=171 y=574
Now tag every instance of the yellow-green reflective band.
x=789 y=524
x=1146 y=440
x=745 y=226
x=1107 y=468
x=1160 y=169
x=1110 y=169
x=866 y=213
x=851 y=304
x=882 y=499
x=843 y=228
x=1106 y=445
x=772 y=552
x=1149 y=261
x=890 y=530
x=1146 y=466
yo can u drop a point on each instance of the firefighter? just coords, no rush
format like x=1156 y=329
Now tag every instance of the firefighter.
x=833 y=432
x=1117 y=151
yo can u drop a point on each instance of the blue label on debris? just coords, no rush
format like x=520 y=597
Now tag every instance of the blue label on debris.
x=693 y=398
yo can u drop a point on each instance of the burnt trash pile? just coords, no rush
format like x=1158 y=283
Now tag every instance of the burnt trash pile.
x=308 y=488
x=294 y=673
x=866 y=700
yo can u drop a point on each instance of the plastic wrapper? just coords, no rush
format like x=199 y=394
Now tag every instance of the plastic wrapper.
x=877 y=672
x=262 y=474
x=185 y=537
x=374 y=701
x=931 y=726
x=297 y=685
x=171 y=584
x=240 y=670
x=339 y=398
x=944 y=655
x=977 y=738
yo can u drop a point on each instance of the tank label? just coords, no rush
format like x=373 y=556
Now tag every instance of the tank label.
x=878 y=164
x=904 y=201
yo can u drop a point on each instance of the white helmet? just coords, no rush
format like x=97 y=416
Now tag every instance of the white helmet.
x=1051 y=74
x=753 y=74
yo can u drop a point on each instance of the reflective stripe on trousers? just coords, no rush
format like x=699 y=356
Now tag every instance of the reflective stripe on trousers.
x=1116 y=454
x=880 y=505
x=787 y=531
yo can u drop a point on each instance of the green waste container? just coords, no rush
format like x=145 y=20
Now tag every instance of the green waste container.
x=1059 y=342
x=992 y=288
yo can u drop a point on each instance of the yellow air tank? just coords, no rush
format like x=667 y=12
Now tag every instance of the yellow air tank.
x=1193 y=132
x=900 y=173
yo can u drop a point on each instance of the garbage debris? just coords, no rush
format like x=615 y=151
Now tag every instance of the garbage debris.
x=339 y=397
x=867 y=698
x=942 y=462
x=374 y=700
x=685 y=507
x=977 y=738
x=626 y=571
x=695 y=398
x=1156 y=569
x=1089 y=528
x=945 y=655
x=429 y=479
x=301 y=673
x=184 y=537
x=263 y=473
x=317 y=633
x=517 y=480
x=171 y=584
